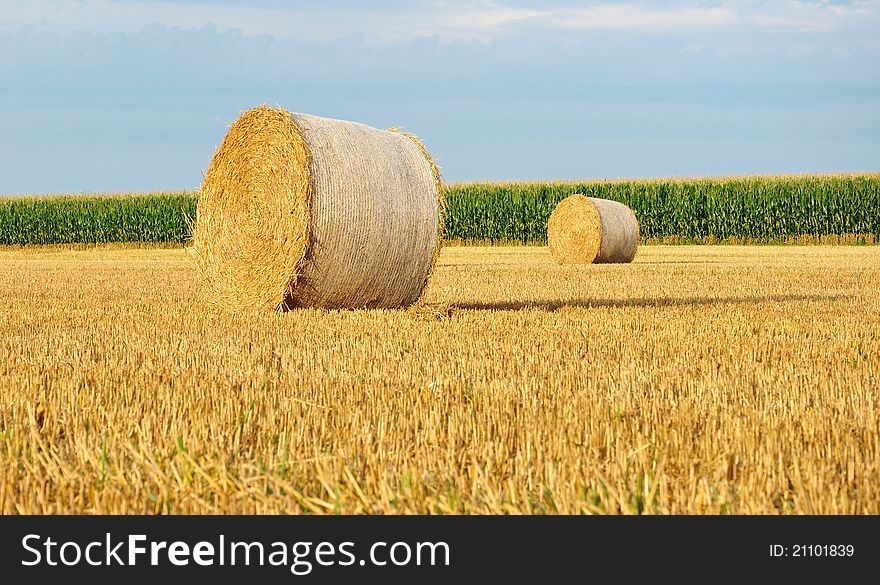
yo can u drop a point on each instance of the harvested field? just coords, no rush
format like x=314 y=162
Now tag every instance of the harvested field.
x=694 y=380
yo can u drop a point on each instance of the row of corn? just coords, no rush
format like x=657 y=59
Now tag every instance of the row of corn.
x=761 y=209
x=164 y=217
x=758 y=209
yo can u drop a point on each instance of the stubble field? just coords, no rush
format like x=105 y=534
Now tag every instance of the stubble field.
x=707 y=379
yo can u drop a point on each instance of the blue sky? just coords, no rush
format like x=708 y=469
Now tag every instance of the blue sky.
x=133 y=95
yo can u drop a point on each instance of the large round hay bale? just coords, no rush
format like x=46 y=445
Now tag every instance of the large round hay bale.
x=302 y=211
x=584 y=229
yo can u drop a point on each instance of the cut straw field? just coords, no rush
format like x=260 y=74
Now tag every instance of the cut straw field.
x=694 y=380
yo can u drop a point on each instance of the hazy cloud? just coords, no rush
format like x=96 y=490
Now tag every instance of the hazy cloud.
x=135 y=94
x=463 y=20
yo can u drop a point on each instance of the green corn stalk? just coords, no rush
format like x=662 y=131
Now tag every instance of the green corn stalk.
x=760 y=209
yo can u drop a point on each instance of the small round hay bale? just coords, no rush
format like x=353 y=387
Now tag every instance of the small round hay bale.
x=302 y=211
x=585 y=230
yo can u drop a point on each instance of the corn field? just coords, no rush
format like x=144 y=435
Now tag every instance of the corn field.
x=753 y=209
x=153 y=218
x=741 y=209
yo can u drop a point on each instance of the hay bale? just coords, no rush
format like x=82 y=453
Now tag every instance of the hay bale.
x=302 y=211
x=585 y=230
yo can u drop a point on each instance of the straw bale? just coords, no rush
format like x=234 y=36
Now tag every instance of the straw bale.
x=584 y=230
x=302 y=211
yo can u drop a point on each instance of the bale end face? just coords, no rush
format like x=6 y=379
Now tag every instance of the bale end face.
x=574 y=232
x=252 y=226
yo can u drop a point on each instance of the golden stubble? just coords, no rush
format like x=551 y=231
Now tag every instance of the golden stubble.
x=694 y=380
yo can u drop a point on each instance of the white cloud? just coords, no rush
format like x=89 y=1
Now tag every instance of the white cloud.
x=449 y=21
x=789 y=15
x=635 y=17
x=487 y=16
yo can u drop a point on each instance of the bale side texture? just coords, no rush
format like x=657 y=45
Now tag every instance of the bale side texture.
x=584 y=230
x=302 y=211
